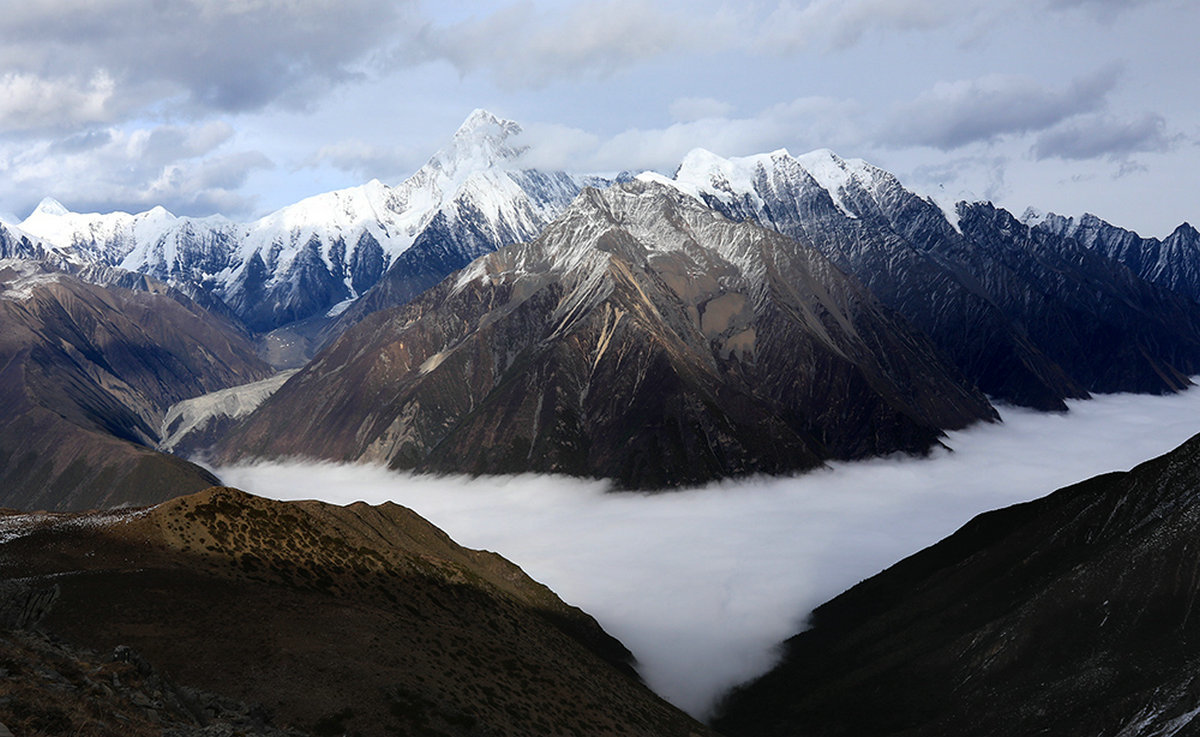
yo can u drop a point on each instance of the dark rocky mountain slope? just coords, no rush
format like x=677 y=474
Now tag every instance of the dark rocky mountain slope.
x=1032 y=317
x=52 y=688
x=86 y=372
x=643 y=337
x=1172 y=262
x=336 y=620
x=1071 y=615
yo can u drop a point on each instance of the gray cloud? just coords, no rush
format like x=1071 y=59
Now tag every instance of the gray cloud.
x=702 y=585
x=840 y=24
x=1097 y=136
x=72 y=62
x=366 y=160
x=186 y=169
x=954 y=114
x=525 y=45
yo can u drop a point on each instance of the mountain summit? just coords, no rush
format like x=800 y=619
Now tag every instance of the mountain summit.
x=312 y=259
x=642 y=337
x=481 y=142
x=1029 y=315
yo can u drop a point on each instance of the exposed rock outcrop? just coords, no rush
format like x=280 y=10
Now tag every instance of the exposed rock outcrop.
x=643 y=337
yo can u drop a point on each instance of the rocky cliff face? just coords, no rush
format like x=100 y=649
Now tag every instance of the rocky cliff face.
x=88 y=372
x=1172 y=262
x=1032 y=319
x=1105 y=327
x=359 y=619
x=642 y=337
x=1070 y=615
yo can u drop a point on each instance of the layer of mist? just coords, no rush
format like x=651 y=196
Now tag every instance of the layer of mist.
x=702 y=585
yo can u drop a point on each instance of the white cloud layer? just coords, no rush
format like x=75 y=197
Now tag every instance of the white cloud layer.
x=29 y=102
x=701 y=585
x=812 y=122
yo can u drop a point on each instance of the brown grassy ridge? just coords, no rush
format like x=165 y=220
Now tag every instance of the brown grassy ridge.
x=358 y=619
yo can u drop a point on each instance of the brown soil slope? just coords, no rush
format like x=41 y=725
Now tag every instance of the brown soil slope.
x=86 y=372
x=353 y=619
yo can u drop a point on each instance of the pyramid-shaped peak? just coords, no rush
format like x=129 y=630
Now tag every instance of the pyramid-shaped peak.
x=481 y=142
x=483 y=124
x=49 y=206
x=1185 y=230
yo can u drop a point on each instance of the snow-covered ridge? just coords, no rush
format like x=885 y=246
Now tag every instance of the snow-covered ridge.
x=702 y=171
x=327 y=249
x=742 y=185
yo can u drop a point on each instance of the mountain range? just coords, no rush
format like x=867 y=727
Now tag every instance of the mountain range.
x=875 y=322
x=1025 y=313
x=1169 y=262
x=311 y=259
x=642 y=337
x=757 y=315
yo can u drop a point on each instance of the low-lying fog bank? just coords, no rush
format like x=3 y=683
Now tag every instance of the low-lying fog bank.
x=702 y=584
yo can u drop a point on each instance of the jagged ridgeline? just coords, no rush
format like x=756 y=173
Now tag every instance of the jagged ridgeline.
x=310 y=260
x=642 y=337
x=1032 y=316
x=653 y=346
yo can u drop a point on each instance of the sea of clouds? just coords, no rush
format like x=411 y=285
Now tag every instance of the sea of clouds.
x=702 y=585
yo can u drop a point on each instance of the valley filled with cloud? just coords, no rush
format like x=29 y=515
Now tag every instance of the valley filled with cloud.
x=702 y=584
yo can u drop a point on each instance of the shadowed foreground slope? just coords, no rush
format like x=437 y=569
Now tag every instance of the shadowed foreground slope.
x=363 y=619
x=1071 y=615
x=86 y=372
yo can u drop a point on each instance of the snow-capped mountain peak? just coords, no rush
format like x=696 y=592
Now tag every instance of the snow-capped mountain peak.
x=702 y=169
x=836 y=174
x=49 y=207
x=483 y=141
x=470 y=197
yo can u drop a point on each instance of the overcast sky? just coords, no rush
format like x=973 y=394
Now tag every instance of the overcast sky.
x=243 y=106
